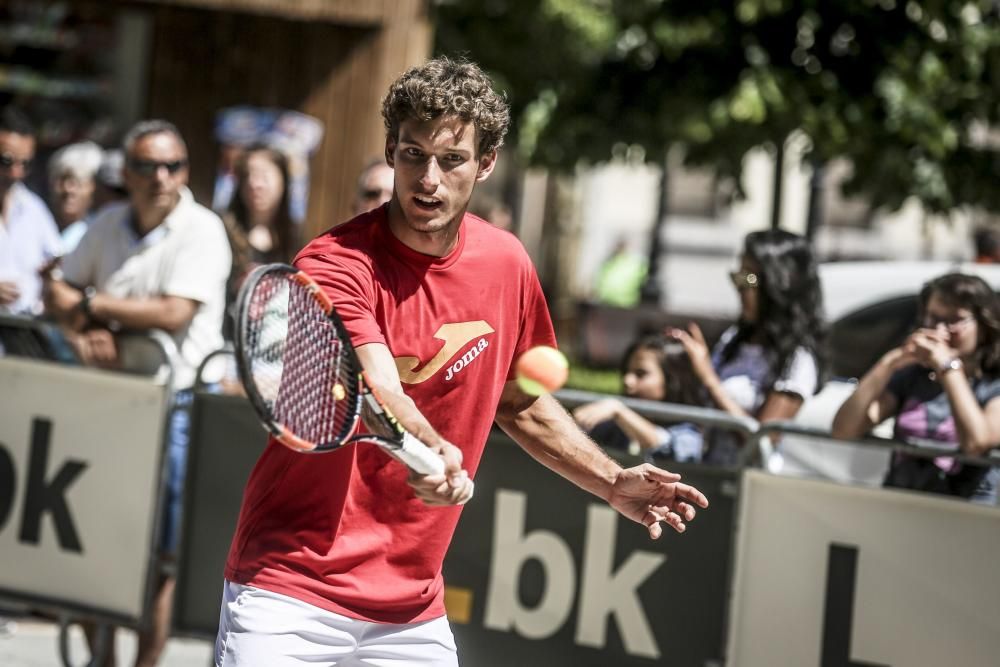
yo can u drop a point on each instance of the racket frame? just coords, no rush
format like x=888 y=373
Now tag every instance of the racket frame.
x=404 y=446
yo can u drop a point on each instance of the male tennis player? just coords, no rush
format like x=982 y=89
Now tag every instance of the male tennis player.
x=337 y=558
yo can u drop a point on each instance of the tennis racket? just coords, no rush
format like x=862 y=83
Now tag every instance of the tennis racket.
x=302 y=375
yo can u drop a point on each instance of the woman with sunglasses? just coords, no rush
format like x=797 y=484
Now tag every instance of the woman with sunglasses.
x=941 y=385
x=772 y=359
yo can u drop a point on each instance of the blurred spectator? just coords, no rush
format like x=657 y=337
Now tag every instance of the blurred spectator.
x=109 y=180
x=225 y=176
x=942 y=384
x=492 y=211
x=72 y=171
x=159 y=262
x=767 y=364
x=655 y=369
x=620 y=276
x=29 y=237
x=374 y=186
x=987 y=242
x=258 y=222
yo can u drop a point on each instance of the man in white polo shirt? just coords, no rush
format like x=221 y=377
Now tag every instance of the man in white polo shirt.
x=160 y=261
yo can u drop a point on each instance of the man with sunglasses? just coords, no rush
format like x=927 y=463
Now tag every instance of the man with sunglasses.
x=29 y=236
x=161 y=261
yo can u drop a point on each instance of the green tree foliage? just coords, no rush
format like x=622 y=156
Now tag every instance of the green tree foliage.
x=903 y=88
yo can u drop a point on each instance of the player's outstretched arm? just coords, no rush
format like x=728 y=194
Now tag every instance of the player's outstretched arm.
x=646 y=494
x=452 y=488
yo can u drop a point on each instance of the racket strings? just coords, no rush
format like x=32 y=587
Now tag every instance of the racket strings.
x=303 y=372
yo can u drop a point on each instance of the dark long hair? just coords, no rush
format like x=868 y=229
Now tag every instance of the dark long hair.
x=973 y=293
x=681 y=384
x=790 y=302
x=238 y=218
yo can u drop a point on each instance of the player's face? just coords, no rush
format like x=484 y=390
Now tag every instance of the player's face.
x=644 y=376
x=436 y=168
x=155 y=171
x=16 y=153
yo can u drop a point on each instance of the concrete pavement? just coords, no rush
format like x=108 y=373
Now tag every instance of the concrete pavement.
x=34 y=643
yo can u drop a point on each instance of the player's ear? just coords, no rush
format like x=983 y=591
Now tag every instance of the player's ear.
x=390 y=148
x=487 y=162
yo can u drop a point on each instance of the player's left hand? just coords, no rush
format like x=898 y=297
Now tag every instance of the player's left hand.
x=648 y=495
x=452 y=488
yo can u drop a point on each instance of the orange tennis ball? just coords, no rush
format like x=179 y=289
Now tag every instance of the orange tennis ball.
x=541 y=369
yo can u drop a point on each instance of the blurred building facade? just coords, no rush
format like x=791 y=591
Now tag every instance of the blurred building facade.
x=702 y=232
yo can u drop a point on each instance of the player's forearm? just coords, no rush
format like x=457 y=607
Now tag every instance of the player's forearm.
x=546 y=431
x=405 y=411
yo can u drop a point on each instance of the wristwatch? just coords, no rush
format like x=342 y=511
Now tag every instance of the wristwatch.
x=954 y=364
x=89 y=293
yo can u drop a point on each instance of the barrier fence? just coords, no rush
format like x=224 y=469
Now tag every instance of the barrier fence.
x=776 y=571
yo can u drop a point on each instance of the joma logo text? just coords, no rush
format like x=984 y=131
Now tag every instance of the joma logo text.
x=466 y=359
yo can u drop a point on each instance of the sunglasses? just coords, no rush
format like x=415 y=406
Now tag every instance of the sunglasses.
x=150 y=167
x=8 y=161
x=744 y=279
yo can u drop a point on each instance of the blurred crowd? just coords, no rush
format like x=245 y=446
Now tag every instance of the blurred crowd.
x=121 y=245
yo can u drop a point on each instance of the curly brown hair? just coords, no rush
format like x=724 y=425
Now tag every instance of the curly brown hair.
x=446 y=87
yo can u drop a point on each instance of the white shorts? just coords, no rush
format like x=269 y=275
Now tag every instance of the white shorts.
x=258 y=627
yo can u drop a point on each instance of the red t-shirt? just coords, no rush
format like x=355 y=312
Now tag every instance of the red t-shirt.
x=343 y=531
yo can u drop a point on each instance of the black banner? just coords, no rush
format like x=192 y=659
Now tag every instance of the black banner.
x=543 y=573
x=226 y=440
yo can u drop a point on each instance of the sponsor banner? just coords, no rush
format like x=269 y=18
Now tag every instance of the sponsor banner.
x=541 y=572
x=836 y=576
x=80 y=455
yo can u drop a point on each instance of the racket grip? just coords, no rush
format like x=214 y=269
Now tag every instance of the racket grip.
x=418 y=457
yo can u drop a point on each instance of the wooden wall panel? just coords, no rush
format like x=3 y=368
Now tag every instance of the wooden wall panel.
x=205 y=55
x=204 y=60
x=356 y=12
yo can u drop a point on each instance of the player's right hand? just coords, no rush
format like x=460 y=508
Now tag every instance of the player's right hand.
x=452 y=488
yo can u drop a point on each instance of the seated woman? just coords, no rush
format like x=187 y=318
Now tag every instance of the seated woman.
x=942 y=384
x=655 y=369
x=767 y=364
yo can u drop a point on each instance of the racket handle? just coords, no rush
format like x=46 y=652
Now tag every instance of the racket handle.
x=418 y=457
